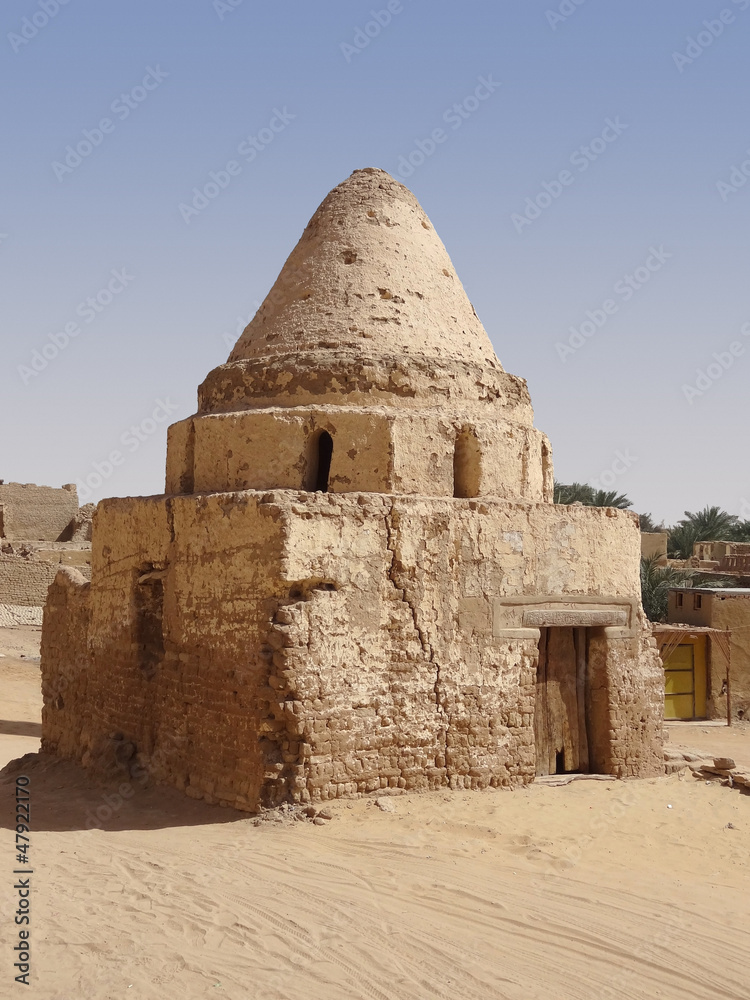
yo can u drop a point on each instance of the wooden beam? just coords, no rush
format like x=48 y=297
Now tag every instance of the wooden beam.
x=581 y=645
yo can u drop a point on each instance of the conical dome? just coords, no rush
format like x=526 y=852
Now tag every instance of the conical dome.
x=369 y=276
x=365 y=369
x=368 y=309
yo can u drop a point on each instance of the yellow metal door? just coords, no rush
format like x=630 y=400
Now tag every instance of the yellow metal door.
x=685 y=682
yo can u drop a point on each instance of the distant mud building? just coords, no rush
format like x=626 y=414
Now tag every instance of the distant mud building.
x=357 y=579
x=41 y=528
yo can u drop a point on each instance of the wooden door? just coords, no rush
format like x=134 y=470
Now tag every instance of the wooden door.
x=560 y=711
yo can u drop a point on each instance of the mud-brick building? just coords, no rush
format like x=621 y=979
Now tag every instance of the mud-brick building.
x=41 y=528
x=706 y=652
x=357 y=578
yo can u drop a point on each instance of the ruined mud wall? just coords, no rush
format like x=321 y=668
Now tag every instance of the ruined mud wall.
x=66 y=665
x=175 y=667
x=627 y=676
x=36 y=513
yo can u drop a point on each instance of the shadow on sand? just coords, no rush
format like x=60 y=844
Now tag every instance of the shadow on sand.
x=9 y=727
x=64 y=796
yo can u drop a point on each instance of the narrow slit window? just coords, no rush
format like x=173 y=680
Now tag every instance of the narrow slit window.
x=467 y=464
x=325 y=454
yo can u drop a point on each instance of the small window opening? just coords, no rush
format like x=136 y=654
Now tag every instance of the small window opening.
x=325 y=453
x=680 y=600
x=467 y=464
x=697 y=602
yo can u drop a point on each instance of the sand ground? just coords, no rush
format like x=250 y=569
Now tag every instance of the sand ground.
x=595 y=890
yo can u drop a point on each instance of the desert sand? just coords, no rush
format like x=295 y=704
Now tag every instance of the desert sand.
x=596 y=889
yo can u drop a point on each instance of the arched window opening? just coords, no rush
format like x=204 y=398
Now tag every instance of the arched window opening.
x=467 y=464
x=324 y=455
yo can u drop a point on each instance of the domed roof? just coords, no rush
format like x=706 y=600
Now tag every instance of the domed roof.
x=370 y=277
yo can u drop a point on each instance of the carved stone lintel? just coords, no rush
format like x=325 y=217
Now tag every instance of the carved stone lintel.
x=546 y=617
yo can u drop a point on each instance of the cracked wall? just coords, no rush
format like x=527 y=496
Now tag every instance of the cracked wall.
x=321 y=645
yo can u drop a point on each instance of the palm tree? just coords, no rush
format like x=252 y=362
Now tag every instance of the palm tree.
x=741 y=531
x=712 y=523
x=610 y=498
x=584 y=494
x=681 y=540
x=708 y=525
x=573 y=493
x=647 y=523
x=655 y=584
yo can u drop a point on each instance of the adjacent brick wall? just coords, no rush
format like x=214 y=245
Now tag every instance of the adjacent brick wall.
x=36 y=513
x=24 y=581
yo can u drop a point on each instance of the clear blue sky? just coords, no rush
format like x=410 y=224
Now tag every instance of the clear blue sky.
x=217 y=74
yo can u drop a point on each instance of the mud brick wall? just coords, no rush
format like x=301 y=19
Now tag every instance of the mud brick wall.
x=182 y=597
x=69 y=668
x=25 y=581
x=254 y=648
x=36 y=513
x=630 y=683
x=732 y=612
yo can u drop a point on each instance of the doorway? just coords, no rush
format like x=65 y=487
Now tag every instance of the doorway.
x=560 y=730
x=685 y=681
